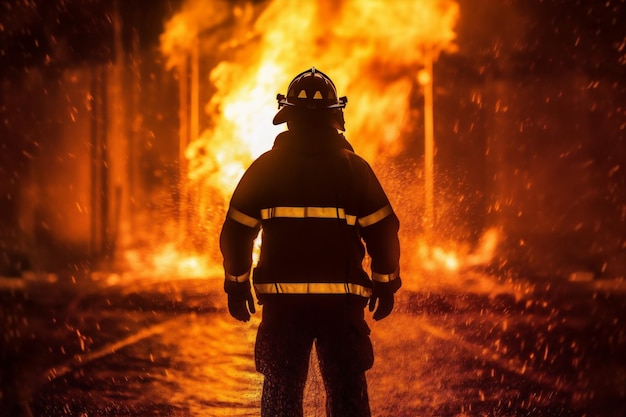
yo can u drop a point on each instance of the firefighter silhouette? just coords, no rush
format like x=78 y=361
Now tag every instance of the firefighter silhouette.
x=320 y=207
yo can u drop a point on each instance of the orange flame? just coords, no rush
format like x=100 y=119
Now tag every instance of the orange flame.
x=373 y=50
x=437 y=258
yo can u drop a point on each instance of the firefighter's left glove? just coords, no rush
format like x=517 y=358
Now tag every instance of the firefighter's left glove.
x=383 y=295
x=240 y=300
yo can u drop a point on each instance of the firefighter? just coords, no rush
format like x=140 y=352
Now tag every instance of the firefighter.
x=320 y=208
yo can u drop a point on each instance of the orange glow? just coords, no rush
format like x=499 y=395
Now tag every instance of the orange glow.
x=437 y=258
x=373 y=50
x=357 y=43
x=168 y=262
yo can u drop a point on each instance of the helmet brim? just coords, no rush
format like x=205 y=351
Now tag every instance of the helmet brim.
x=283 y=115
x=287 y=113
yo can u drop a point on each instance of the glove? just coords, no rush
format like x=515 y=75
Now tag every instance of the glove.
x=385 y=305
x=384 y=294
x=240 y=301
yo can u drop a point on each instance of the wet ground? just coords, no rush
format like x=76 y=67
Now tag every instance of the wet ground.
x=169 y=348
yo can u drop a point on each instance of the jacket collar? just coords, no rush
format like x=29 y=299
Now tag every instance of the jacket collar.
x=311 y=141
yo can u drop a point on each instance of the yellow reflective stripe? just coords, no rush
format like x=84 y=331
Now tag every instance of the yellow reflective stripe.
x=385 y=277
x=238 y=278
x=313 y=288
x=308 y=212
x=376 y=216
x=242 y=218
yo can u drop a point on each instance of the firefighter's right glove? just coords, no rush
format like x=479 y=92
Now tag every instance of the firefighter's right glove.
x=240 y=300
x=383 y=293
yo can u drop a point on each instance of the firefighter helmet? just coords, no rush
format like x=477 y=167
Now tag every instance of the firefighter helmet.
x=311 y=90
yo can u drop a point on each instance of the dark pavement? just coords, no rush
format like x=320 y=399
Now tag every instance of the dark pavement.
x=477 y=347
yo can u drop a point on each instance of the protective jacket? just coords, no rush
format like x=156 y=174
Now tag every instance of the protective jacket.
x=312 y=191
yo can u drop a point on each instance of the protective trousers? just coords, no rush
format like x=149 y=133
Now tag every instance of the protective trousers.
x=289 y=328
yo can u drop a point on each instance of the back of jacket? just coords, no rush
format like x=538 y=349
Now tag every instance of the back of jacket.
x=317 y=202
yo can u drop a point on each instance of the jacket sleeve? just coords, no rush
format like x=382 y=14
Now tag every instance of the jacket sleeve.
x=240 y=229
x=379 y=228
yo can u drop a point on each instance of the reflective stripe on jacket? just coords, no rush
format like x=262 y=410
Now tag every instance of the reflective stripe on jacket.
x=313 y=288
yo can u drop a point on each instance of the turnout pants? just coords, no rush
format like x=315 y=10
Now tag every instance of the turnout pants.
x=289 y=327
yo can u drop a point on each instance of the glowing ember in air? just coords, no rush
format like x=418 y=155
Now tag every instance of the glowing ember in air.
x=241 y=56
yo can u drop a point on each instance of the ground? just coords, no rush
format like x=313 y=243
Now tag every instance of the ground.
x=474 y=345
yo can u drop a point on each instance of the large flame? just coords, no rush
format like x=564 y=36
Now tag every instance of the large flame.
x=373 y=50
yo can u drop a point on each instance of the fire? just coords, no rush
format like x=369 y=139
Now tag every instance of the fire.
x=437 y=258
x=375 y=51
x=168 y=262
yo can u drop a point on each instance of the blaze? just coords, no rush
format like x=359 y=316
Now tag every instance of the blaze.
x=243 y=54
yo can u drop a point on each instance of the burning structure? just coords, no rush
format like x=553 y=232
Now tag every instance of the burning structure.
x=125 y=129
